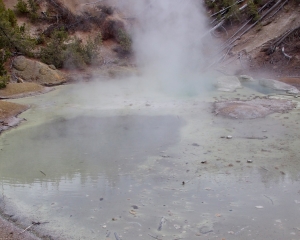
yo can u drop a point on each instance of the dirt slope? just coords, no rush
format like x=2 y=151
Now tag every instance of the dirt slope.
x=249 y=54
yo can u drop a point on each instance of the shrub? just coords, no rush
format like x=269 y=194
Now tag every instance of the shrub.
x=12 y=37
x=3 y=81
x=53 y=52
x=124 y=40
x=22 y=28
x=234 y=13
x=40 y=39
x=33 y=9
x=210 y=4
x=257 y=2
x=21 y=7
x=3 y=74
x=29 y=8
x=3 y=58
x=12 y=18
x=253 y=11
x=91 y=49
x=71 y=55
x=75 y=55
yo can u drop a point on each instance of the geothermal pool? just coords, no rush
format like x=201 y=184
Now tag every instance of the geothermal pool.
x=96 y=161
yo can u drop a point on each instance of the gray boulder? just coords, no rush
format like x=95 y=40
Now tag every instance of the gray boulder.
x=246 y=78
x=34 y=71
x=277 y=85
x=228 y=83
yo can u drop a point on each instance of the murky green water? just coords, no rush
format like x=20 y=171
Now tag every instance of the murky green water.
x=93 y=163
x=86 y=146
x=261 y=89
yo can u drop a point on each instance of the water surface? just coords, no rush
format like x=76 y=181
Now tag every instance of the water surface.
x=101 y=164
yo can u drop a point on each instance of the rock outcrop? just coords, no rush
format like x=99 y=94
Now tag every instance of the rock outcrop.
x=278 y=86
x=228 y=83
x=246 y=78
x=34 y=71
x=255 y=108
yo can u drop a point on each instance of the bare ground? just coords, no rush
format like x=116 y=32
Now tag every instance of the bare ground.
x=9 y=231
x=8 y=109
x=8 y=114
x=16 y=90
x=249 y=55
x=251 y=109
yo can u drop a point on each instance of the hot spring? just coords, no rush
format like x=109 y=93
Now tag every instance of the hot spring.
x=145 y=157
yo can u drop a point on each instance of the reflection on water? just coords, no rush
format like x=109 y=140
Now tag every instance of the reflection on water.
x=93 y=175
x=85 y=145
x=260 y=88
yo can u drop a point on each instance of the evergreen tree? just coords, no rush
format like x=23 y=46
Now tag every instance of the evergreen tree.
x=12 y=40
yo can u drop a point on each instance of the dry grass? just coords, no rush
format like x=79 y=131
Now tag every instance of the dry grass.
x=8 y=109
x=15 y=89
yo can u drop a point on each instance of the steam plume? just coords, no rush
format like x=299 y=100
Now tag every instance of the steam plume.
x=169 y=42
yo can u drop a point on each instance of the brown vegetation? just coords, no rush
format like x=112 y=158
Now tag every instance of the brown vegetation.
x=8 y=109
x=14 y=90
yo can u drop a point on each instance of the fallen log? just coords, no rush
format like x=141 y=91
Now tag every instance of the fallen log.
x=286 y=55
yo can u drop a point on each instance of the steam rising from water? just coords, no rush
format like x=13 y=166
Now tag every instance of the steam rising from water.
x=170 y=43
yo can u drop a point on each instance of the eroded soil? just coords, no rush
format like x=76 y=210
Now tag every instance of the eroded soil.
x=255 y=108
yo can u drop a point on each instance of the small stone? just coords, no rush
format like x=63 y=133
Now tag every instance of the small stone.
x=132 y=212
x=176 y=226
x=249 y=161
x=52 y=67
x=229 y=137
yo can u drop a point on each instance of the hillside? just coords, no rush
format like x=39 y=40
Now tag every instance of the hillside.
x=65 y=34
x=268 y=46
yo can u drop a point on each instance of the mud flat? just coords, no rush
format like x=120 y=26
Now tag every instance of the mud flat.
x=8 y=114
x=8 y=230
x=100 y=161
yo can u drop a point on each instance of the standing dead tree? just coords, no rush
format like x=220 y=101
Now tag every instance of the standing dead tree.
x=270 y=48
x=67 y=20
x=271 y=8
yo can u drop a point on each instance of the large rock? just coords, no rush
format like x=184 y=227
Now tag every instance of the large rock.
x=35 y=71
x=246 y=78
x=277 y=85
x=228 y=83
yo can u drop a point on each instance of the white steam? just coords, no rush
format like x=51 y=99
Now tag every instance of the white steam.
x=169 y=42
x=172 y=46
